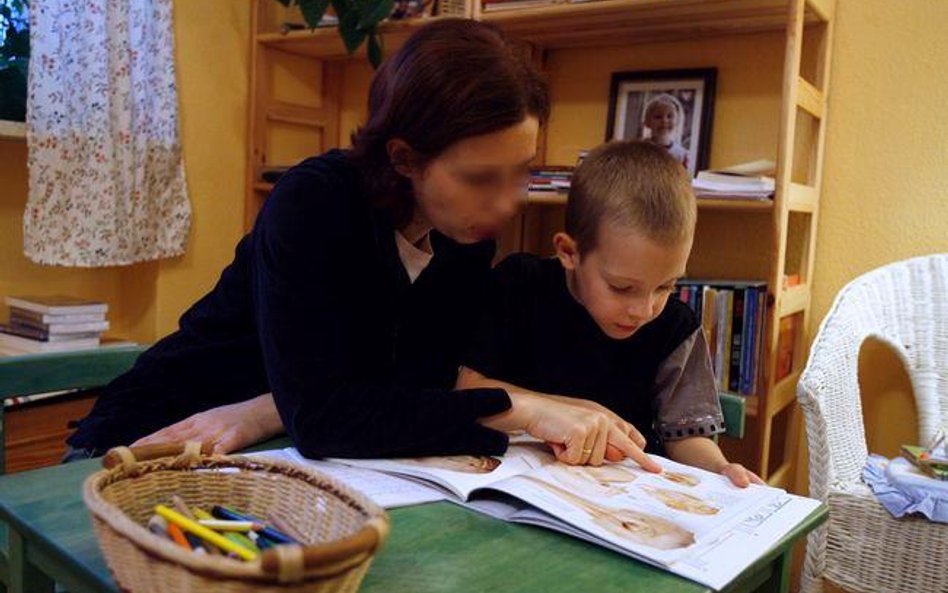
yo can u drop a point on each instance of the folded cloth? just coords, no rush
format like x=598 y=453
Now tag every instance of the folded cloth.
x=902 y=488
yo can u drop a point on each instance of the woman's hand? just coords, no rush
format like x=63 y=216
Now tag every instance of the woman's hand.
x=230 y=428
x=579 y=435
x=740 y=476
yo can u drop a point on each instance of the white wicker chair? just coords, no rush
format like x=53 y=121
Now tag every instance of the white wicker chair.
x=862 y=547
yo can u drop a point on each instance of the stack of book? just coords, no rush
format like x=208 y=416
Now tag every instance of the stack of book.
x=52 y=324
x=733 y=317
x=732 y=187
x=746 y=181
x=551 y=179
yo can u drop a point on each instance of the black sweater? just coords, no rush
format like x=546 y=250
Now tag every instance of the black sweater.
x=317 y=308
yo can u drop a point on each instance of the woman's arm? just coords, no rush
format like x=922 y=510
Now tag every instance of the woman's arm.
x=321 y=289
x=230 y=428
x=579 y=431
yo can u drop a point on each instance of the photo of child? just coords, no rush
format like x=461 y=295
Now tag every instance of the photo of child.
x=670 y=108
x=661 y=124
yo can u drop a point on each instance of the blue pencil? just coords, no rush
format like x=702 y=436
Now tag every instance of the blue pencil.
x=268 y=532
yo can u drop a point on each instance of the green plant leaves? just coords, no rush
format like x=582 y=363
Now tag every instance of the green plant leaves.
x=374 y=12
x=313 y=11
x=375 y=49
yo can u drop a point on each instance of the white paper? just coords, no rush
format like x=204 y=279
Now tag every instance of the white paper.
x=383 y=489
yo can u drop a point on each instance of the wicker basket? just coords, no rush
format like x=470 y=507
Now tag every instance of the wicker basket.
x=340 y=528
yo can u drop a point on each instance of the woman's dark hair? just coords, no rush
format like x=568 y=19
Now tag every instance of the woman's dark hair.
x=452 y=79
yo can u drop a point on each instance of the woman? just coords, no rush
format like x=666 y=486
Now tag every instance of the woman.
x=355 y=293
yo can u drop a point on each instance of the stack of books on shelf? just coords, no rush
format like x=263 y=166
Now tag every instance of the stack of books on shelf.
x=551 y=179
x=52 y=324
x=733 y=317
x=747 y=181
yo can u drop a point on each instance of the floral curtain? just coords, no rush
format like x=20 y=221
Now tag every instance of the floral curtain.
x=107 y=181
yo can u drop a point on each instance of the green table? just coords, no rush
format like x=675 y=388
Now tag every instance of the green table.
x=436 y=547
x=28 y=374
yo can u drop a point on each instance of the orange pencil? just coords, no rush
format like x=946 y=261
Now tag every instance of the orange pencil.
x=178 y=536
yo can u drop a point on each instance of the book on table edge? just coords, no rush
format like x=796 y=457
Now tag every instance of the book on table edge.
x=687 y=521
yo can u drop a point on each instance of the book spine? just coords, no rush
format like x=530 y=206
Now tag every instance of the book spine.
x=749 y=341
x=708 y=320
x=737 y=337
x=721 y=349
x=758 y=370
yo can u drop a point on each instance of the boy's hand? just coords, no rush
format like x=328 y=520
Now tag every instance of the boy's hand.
x=740 y=476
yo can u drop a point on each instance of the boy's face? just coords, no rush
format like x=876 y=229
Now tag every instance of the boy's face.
x=626 y=280
x=661 y=120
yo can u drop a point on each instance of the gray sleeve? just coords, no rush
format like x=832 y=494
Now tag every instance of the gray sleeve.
x=686 y=392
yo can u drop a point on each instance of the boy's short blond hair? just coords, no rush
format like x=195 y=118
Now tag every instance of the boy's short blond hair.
x=635 y=185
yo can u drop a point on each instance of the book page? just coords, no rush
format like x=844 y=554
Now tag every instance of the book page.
x=457 y=474
x=689 y=521
x=384 y=490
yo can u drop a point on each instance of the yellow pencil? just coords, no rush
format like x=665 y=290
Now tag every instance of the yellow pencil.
x=201 y=513
x=204 y=533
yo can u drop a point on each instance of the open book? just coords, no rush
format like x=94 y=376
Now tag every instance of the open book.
x=688 y=521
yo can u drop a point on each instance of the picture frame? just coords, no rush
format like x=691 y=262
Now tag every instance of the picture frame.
x=679 y=104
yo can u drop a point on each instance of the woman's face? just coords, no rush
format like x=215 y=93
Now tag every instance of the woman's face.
x=475 y=187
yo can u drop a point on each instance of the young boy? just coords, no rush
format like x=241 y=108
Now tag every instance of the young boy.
x=596 y=322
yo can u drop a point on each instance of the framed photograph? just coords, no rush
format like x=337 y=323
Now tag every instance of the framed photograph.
x=673 y=108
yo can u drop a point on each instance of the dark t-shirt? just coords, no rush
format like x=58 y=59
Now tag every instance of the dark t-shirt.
x=535 y=335
x=317 y=308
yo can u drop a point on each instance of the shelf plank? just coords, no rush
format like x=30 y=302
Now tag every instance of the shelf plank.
x=12 y=130
x=810 y=98
x=742 y=205
x=546 y=198
x=794 y=300
x=299 y=115
x=263 y=186
x=802 y=198
x=325 y=43
x=566 y=24
x=782 y=476
x=784 y=394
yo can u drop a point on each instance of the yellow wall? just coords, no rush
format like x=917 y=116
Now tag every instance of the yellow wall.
x=212 y=54
x=885 y=182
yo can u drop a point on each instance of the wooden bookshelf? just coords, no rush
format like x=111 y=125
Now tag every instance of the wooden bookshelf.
x=780 y=233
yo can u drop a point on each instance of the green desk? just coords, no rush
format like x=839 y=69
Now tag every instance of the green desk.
x=433 y=548
x=28 y=374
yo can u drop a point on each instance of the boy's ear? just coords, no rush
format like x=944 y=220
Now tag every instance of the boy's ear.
x=567 y=251
x=401 y=155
